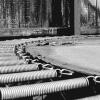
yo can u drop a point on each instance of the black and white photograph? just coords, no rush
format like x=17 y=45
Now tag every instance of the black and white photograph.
x=49 y=49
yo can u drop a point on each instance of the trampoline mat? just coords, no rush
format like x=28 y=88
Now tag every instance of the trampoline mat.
x=85 y=58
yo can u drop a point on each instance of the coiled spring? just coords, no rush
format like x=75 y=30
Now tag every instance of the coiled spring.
x=7 y=58
x=6 y=50
x=6 y=54
x=27 y=76
x=20 y=68
x=42 y=88
x=13 y=62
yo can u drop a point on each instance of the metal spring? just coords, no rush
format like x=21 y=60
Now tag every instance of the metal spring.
x=19 y=68
x=5 y=58
x=6 y=50
x=27 y=76
x=6 y=46
x=6 y=54
x=13 y=62
x=42 y=88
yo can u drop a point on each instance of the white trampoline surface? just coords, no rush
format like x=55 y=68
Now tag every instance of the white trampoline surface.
x=85 y=57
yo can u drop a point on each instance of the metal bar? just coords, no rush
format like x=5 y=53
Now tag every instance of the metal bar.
x=42 y=88
x=27 y=76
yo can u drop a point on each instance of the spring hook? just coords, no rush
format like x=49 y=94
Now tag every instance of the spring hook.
x=97 y=79
x=67 y=72
x=64 y=72
x=48 y=67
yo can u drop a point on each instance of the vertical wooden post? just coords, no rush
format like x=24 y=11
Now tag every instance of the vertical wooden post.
x=77 y=10
x=49 y=12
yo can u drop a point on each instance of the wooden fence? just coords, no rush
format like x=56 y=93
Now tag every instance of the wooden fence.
x=34 y=13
